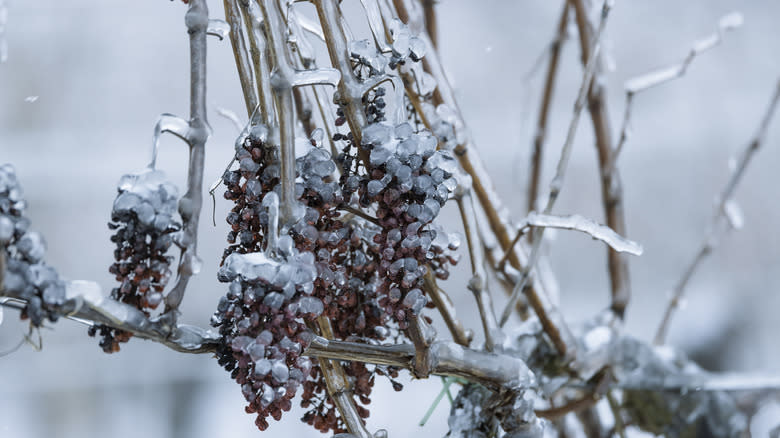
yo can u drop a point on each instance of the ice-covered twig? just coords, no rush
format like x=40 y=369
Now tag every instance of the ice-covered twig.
x=350 y=91
x=720 y=215
x=578 y=223
x=170 y=124
x=496 y=214
x=339 y=387
x=544 y=110
x=233 y=17
x=196 y=19
x=85 y=302
x=557 y=183
x=493 y=370
x=447 y=311
x=283 y=78
x=260 y=63
x=478 y=282
x=611 y=188
x=429 y=12
x=662 y=75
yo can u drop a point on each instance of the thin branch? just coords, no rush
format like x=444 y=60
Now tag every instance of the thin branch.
x=422 y=336
x=196 y=19
x=478 y=282
x=431 y=27
x=260 y=63
x=339 y=387
x=720 y=215
x=557 y=183
x=447 y=310
x=482 y=185
x=611 y=188
x=233 y=17
x=86 y=303
x=544 y=111
x=493 y=370
x=349 y=88
x=577 y=223
x=666 y=74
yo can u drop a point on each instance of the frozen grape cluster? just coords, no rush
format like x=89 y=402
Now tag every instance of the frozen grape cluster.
x=407 y=180
x=262 y=322
x=341 y=255
x=144 y=222
x=26 y=275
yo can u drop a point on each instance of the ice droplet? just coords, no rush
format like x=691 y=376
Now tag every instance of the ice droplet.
x=733 y=214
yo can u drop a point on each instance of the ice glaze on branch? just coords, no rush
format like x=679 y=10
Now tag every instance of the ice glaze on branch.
x=720 y=216
x=197 y=20
x=611 y=188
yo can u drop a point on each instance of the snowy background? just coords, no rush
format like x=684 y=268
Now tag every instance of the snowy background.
x=102 y=71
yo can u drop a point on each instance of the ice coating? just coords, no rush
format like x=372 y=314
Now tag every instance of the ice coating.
x=26 y=274
x=149 y=196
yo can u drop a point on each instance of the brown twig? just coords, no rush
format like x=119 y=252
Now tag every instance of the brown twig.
x=446 y=309
x=611 y=188
x=233 y=17
x=339 y=388
x=556 y=185
x=482 y=185
x=544 y=111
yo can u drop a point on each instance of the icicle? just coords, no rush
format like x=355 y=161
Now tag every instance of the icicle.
x=218 y=28
x=171 y=124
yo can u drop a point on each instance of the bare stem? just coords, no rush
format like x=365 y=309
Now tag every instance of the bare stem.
x=85 y=303
x=429 y=10
x=478 y=282
x=196 y=19
x=447 y=311
x=719 y=216
x=339 y=388
x=495 y=371
x=233 y=17
x=557 y=183
x=611 y=188
x=544 y=111
x=483 y=187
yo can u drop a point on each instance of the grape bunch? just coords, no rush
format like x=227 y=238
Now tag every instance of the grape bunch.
x=143 y=217
x=261 y=320
x=367 y=269
x=26 y=274
x=341 y=254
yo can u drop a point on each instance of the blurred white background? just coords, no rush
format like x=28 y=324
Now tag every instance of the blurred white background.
x=103 y=71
